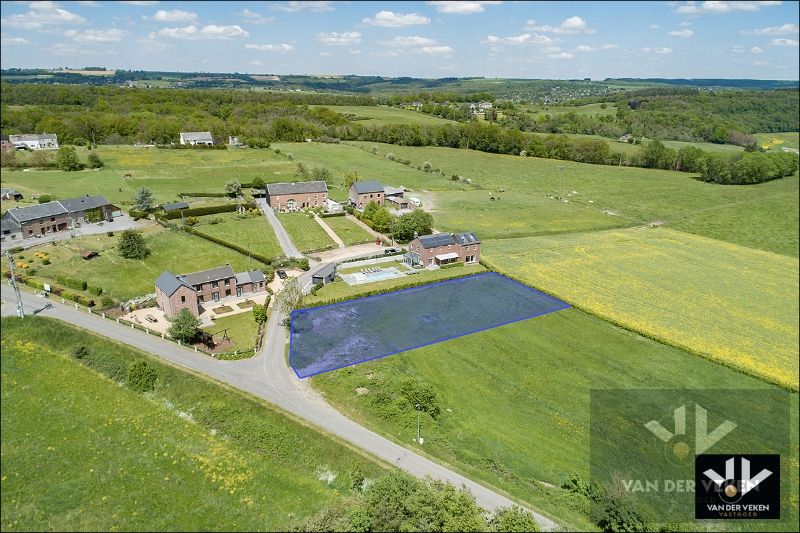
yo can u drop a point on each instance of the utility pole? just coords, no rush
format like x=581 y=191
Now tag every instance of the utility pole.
x=13 y=281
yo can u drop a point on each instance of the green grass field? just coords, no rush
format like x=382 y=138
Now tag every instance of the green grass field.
x=735 y=305
x=254 y=233
x=167 y=172
x=341 y=158
x=339 y=288
x=82 y=453
x=384 y=115
x=241 y=329
x=764 y=216
x=774 y=142
x=306 y=234
x=172 y=250
x=515 y=400
x=347 y=230
x=588 y=109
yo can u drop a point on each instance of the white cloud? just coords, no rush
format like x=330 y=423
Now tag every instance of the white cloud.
x=87 y=3
x=174 y=15
x=585 y=48
x=460 y=8
x=254 y=18
x=96 y=36
x=390 y=19
x=210 y=32
x=783 y=42
x=737 y=49
x=409 y=41
x=570 y=26
x=339 y=39
x=657 y=51
x=685 y=24
x=609 y=46
x=561 y=55
x=525 y=38
x=756 y=50
x=437 y=50
x=42 y=14
x=551 y=49
x=256 y=63
x=761 y=63
x=282 y=47
x=14 y=40
x=654 y=26
x=786 y=29
x=720 y=7
x=681 y=33
x=355 y=52
x=293 y=7
x=139 y=3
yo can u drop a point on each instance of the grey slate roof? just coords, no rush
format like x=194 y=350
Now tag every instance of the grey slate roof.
x=325 y=271
x=300 y=187
x=389 y=190
x=34 y=212
x=9 y=224
x=365 y=187
x=436 y=240
x=175 y=206
x=197 y=136
x=82 y=203
x=465 y=239
x=252 y=276
x=169 y=283
x=205 y=276
x=9 y=192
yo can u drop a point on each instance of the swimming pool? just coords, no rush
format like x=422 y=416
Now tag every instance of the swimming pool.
x=357 y=278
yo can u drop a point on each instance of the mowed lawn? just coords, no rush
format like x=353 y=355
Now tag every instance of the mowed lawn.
x=764 y=216
x=347 y=230
x=252 y=233
x=173 y=250
x=514 y=402
x=383 y=115
x=306 y=234
x=241 y=329
x=734 y=305
x=82 y=453
x=167 y=172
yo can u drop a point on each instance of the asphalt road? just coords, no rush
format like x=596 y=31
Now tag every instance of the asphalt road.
x=268 y=376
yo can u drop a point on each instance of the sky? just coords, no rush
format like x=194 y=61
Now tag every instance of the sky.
x=556 y=40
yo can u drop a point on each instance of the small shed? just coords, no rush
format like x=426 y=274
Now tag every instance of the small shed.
x=325 y=274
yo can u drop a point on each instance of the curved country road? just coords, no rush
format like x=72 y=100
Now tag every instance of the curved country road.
x=268 y=376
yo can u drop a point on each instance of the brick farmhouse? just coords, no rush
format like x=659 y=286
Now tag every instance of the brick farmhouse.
x=189 y=291
x=444 y=248
x=363 y=192
x=295 y=196
x=59 y=215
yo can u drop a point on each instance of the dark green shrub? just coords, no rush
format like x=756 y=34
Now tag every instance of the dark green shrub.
x=141 y=377
x=421 y=393
x=97 y=291
x=79 y=351
x=43 y=199
x=106 y=302
x=72 y=283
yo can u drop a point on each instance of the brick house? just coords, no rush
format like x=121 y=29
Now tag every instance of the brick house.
x=5 y=143
x=295 y=196
x=60 y=215
x=174 y=294
x=210 y=285
x=443 y=248
x=363 y=192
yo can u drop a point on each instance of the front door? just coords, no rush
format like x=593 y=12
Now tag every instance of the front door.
x=215 y=295
x=238 y=291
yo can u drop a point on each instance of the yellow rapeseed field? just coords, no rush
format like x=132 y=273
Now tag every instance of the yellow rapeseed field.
x=737 y=306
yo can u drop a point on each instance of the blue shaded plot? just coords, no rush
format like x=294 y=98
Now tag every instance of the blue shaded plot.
x=342 y=334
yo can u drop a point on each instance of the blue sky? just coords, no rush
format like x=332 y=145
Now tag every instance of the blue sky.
x=720 y=39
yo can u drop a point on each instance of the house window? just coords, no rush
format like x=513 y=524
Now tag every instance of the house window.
x=201 y=299
x=430 y=261
x=52 y=219
x=214 y=284
x=183 y=299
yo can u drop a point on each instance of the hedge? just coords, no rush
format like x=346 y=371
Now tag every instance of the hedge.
x=210 y=210
x=330 y=215
x=193 y=146
x=204 y=194
x=378 y=291
x=72 y=283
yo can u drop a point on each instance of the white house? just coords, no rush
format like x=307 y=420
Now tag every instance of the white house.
x=332 y=206
x=197 y=137
x=234 y=141
x=35 y=141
